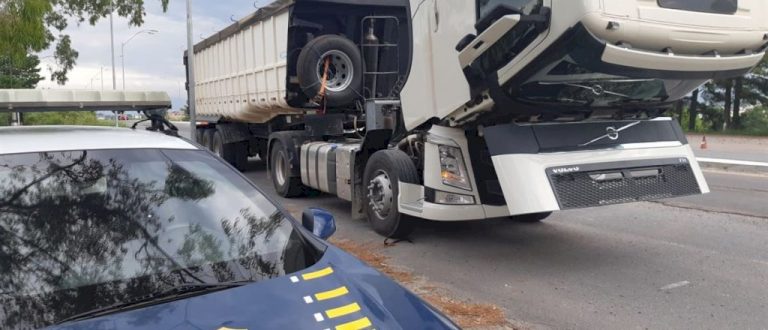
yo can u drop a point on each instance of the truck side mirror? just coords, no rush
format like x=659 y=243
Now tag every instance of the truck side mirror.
x=320 y=222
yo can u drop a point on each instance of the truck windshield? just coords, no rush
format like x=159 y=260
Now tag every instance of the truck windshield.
x=83 y=230
x=568 y=82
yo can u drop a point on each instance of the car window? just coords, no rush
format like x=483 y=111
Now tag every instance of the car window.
x=81 y=230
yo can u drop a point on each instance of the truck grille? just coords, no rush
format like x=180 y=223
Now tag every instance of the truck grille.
x=606 y=187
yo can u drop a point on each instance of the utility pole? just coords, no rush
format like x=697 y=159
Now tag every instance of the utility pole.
x=112 y=46
x=191 y=74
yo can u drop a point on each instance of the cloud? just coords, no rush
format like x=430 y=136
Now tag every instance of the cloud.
x=152 y=62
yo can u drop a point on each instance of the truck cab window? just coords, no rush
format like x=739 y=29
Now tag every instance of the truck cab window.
x=484 y=7
x=707 y=6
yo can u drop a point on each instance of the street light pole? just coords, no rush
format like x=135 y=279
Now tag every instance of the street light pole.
x=122 y=49
x=112 y=44
x=191 y=74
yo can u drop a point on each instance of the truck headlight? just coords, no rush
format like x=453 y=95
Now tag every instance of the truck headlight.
x=452 y=168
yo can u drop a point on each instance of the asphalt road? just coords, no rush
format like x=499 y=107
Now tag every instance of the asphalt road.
x=697 y=262
x=731 y=147
x=687 y=263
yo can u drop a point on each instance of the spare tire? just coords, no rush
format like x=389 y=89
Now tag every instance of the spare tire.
x=345 y=71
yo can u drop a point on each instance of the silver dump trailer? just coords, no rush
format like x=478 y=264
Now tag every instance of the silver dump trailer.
x=452 y=110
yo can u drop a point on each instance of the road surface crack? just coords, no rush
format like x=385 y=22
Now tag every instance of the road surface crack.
x=710 y=211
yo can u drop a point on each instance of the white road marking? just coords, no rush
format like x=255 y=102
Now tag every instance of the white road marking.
x=294 y=279
x=732 y=162
x=319 y=317
x=675 y=285
x=308 y=300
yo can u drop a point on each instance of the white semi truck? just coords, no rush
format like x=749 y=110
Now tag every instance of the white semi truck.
x=452 y=110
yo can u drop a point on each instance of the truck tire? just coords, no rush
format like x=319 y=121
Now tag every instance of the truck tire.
x=285 y=184
x=385 y=169
x=345 y=77
x=531 y=218
x=236 y=154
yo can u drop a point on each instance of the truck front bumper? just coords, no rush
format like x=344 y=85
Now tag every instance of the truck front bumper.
x=536 y=183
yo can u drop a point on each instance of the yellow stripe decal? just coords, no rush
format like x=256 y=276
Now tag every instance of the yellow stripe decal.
x=343 y=310
x=355 y=325
x=318 y=274
x=332 y=294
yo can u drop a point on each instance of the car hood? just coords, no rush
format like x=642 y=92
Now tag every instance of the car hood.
x=339 y=292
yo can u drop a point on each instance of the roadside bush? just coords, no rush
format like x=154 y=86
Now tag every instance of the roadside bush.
x=62 y=118
x=755 y=121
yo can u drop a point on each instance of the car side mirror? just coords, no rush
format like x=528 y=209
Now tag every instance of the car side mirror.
x=320 y=222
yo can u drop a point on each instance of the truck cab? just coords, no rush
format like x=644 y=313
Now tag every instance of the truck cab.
x=544 y=60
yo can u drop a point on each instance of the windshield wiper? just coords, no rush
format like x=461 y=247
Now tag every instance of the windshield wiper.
x=172 y=294
x=597 y=89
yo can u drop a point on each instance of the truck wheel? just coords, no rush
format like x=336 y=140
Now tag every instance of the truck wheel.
x=285 y=185
x=385 y=169
x=344 y=81
x=235 y=154
x=531 y=218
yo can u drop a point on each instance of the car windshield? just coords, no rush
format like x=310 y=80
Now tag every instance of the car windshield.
x=82 y=230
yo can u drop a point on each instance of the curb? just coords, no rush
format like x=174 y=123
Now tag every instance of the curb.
x=734 y=165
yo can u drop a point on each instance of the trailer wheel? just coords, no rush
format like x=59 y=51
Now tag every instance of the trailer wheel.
x=344 y=80
x=207 y=138
x=235 y=154
x=385 y=169
x=199 y=132
x=279 y=167
x=531 y=218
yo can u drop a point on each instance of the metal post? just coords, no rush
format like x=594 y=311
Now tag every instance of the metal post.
x=191 y=74
x=112 y=42
x=122 y=48
x=15 y=118
x=122 y=59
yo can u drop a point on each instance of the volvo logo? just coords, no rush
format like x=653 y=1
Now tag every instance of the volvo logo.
x=565 y=170
x=612 y=133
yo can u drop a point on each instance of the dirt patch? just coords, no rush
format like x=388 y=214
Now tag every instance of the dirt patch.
x=468 y=315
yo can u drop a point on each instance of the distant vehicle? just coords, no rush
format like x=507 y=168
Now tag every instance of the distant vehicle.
x=123 y=117
x=453 y=110
x=106 y=228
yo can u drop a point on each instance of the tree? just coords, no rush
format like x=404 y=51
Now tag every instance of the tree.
x=731 y=95
x=30 y=26
x=19 y=74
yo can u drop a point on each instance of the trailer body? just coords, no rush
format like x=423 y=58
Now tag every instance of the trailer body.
x=459 y=110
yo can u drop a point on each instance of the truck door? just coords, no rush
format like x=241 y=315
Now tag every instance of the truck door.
x=451 y=21
x=436 y=85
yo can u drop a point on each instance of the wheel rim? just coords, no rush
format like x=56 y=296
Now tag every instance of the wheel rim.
x=380 y=195
x=340 y=70
x=280 y=169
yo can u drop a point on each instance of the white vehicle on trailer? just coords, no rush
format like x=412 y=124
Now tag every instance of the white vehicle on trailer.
x=453 y=110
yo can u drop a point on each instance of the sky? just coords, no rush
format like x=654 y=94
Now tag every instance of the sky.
x=152 y=62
